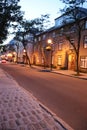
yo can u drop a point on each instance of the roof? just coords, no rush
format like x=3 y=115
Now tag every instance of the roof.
x=81 y=15
x=71 y=16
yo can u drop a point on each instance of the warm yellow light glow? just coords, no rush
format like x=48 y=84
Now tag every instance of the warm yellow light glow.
x=24 y=50
x=14 y=53
x=2 y=56
x=9 y=55
x=48 y=48
x=70 y=58
x=49 y=41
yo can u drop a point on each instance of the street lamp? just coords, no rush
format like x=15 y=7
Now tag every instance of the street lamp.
x=49 y=41
x=24 y=50
x=15 y=58
x=49 y=48
x=24 y=55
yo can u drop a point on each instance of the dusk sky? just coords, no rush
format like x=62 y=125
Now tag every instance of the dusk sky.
x=35 y=8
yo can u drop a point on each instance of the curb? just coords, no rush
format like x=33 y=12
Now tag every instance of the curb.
x=53 y=71
x=69 y=75
x=63 y=124
x=60 y=122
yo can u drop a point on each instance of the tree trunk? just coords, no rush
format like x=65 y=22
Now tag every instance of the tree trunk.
x=77 y=63
x=77 y=53
x=28 y=59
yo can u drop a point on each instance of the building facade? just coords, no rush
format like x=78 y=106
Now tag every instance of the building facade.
x=62 y=54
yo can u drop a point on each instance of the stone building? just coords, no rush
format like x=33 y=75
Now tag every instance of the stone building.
x=61 y=53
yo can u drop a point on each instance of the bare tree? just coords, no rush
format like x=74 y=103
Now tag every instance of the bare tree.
x=30 y=27
x=73 y=22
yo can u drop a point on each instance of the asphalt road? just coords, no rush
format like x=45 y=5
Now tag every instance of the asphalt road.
x=65 y=96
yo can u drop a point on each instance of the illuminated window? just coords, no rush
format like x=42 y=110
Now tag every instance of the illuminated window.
x=37 y=59
x=85 y=42
x=83 y=62
x=59 y=61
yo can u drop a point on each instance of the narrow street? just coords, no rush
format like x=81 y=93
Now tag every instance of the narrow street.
x=65 y=96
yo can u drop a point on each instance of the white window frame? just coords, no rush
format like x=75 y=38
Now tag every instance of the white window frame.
x=85 y=41
x=83 y=62
x=39 y=38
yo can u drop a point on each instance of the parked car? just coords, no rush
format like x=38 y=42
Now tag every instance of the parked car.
x=3 y=61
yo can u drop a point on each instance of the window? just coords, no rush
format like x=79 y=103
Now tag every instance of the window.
x=35 y=40
x=72 y=40
x=39 y=47
x=53 y=34
x=44 y=36
x=86 y=25
x=60 y=45
x=59 y=62
x=83 y=62
x=85 y=42
x=39 y=38
x=37 y=60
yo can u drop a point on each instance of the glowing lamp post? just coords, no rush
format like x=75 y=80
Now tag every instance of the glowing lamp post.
x=24 y=55
x=49 y=48
x=49 y=41
x=24 y=50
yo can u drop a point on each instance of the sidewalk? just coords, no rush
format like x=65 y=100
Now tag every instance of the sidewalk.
x=19 y=110
x=69 y=73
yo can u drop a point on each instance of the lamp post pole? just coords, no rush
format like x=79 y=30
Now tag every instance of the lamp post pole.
x=51 y=59
x=49 y=41
x=24 y=54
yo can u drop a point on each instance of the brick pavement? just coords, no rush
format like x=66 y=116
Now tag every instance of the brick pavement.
x=19 y=110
